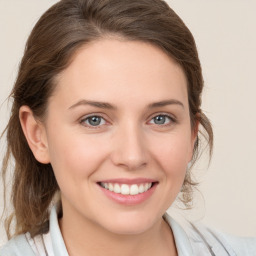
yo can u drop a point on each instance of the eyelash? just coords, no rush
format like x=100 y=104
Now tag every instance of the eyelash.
x=172 y=120
x=87 y=118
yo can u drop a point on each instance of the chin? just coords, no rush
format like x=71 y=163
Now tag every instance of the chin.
x=130 y=225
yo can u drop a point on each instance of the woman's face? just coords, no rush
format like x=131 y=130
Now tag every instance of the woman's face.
x=119 y=136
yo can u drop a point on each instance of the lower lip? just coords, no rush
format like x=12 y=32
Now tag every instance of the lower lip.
x=129 y=199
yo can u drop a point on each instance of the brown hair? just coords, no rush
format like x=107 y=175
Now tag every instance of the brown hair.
x=61 y=31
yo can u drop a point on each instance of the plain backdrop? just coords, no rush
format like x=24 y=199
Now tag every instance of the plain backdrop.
x=225 y=33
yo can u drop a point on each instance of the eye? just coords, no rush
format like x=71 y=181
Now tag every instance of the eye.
x=161 y=120
x=93 y=121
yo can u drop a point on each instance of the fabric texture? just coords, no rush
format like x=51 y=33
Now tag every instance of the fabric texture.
x=193 y=239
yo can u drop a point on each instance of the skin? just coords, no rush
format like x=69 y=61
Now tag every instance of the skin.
x=128 y=143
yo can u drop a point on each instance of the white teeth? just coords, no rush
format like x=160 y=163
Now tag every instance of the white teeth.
x=134 y=189
x=117 y=189
x=110 y=187
x=125 y=189
x=141 y=188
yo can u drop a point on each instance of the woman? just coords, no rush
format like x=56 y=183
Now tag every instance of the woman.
x=104 y=127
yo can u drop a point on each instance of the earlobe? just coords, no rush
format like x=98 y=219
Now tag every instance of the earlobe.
x=35 y=134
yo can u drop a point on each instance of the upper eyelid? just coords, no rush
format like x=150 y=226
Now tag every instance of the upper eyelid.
x=171 y=116
x=91 y=115
x=85 y=118
x=150 y=117
x=83 y=122
x=171 y=120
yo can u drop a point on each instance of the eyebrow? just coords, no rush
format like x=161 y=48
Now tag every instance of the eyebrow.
x=105 y=105
x=165 y=103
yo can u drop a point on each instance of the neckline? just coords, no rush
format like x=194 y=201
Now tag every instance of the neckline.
x=181 y=239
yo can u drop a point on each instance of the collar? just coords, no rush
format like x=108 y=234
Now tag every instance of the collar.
x=183 y=245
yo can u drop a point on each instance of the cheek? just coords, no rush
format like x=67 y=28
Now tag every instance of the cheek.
x=173 y=153
x=171 y=156
x=75 y=156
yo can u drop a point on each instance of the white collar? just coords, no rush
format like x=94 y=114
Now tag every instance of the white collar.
x=181 y=239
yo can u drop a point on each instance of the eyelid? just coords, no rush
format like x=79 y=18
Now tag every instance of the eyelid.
x=85 y=117
x=170 y=123
x=171 y=116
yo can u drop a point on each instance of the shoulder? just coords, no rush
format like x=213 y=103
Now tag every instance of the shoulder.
x=241 y=245
x=219 y=242
x=207 y=241
x=17 y=246
x=50 y=243
x=26 y=245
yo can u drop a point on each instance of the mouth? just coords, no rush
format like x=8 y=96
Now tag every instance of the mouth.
x=127 y=189
x=129 y=192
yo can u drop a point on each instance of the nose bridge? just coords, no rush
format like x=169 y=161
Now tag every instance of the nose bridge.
x=130 y=149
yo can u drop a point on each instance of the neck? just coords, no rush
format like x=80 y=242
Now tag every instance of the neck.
x=84 y=236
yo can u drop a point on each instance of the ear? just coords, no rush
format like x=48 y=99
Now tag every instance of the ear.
x=35 y=134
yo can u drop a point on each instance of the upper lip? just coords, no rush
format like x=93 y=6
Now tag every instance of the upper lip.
x=129 y=181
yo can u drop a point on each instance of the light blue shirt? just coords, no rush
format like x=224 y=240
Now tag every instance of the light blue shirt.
x=192 y=240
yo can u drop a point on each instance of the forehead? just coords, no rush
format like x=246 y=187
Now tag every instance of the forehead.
x=114 y=68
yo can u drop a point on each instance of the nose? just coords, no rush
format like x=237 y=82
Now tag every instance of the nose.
x=129 y=149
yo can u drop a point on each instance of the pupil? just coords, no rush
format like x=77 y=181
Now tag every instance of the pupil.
x=94 y=120
x=159 y=119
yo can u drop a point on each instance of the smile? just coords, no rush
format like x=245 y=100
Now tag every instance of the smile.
x=129 y=192
x=125 y=189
